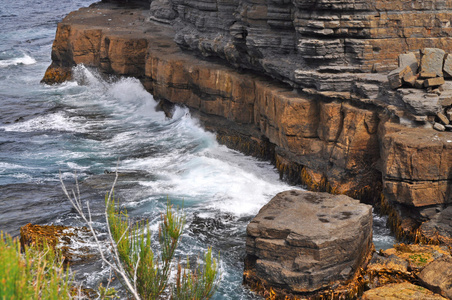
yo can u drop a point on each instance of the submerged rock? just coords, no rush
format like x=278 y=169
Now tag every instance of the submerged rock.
x=305 y=242
x=75 y=244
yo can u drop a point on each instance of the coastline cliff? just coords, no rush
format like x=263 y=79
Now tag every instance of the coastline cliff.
x=302 y=83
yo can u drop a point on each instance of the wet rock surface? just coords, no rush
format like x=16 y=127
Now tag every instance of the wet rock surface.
x=75 y=243
x=304 y=242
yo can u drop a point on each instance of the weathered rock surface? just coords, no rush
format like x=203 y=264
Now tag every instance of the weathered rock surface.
x=425 y=182
x=404 y=265
x=432 y=61
x=402 y=291
x=439 y=228
x=75 y=244
x=282 y=36
x=438 y=276
x=304 y=242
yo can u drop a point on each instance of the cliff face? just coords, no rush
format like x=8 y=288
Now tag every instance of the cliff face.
x=338 y=133
x=286 y=38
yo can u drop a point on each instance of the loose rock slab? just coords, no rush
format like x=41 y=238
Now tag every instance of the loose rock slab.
x=304 y=241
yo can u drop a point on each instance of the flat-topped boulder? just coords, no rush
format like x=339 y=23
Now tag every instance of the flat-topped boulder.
x=304 y=242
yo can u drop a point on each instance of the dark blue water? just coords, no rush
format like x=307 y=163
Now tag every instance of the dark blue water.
x=88 y=124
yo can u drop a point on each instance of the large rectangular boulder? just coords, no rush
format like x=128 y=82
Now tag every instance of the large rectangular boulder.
x=305 y=242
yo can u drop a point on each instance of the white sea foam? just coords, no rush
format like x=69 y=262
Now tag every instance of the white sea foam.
x=56 y=121
x=220 y=178
x=24 y=60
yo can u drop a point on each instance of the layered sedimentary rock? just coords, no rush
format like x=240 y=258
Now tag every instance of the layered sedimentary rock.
x=409 y=272
x=340 y=135
x=288 y=38
x=305 y=242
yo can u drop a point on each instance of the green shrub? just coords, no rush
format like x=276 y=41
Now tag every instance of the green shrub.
x=37 y=273
x=151 y=272
x=143 y=273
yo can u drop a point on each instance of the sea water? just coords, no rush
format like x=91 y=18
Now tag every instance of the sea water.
x=93 y=125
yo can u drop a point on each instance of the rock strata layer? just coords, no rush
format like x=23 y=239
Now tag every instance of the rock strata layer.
x=342 y=138
x=304 y=242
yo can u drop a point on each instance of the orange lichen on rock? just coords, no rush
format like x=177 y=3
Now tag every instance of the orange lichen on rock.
x=59 y=237
x=57 y=75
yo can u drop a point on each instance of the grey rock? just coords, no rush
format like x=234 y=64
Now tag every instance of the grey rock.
x=439 y=127
x=440 y=224
x=409 y=59
x=395 y=77
x=420 y=103
x=162 y=11
x=447 y=68
x=432 y=61
x=304 y=241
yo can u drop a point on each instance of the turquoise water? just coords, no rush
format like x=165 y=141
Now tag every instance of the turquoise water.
x=88 y=124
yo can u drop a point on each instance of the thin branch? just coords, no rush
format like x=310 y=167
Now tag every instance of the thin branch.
x=76 y=203
x=135 y=275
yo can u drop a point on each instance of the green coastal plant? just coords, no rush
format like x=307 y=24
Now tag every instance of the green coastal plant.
x=37 y=273
x=143 y=271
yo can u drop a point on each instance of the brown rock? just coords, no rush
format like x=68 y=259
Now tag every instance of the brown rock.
x=437 y=276
x=416 y=166
x=305 y=241
x=402 y=291
x=395 y=76
x=426 y=75
x=57 y=75
x=419 y=84
x=443 y=118
x=445 y=99
x=433 y=82
x=410 y=80
x=417 y=256
x=432 y=61
x=383 y=269
x=76 y=244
